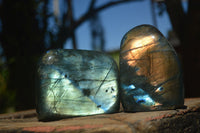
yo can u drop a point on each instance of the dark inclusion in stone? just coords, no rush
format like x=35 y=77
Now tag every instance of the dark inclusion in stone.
x=76 y=83
x=150 y=74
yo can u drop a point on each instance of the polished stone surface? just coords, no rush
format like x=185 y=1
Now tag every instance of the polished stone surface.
x=76 y=83
x=150 y=73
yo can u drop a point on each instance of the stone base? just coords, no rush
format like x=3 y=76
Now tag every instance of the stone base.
x=180 y=120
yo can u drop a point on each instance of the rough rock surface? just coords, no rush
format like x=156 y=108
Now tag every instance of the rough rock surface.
x=180 y=120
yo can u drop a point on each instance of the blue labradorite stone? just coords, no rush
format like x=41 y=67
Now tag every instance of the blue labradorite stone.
x=76 y=83
x=150 y=74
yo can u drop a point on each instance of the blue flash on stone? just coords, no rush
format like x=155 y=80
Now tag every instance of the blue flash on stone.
x=76 y=83
x=142 y=97
x=128 y=87
x=159 y=89
x=144 y=100
x=131 y=86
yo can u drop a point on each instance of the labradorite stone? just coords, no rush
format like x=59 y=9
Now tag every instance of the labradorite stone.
x=150 y=73
x=76 y=83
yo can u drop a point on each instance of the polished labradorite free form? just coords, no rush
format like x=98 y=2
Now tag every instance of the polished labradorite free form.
x=150 y=74
x=76 y=83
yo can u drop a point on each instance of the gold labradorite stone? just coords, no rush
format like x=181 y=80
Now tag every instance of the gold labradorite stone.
x=76 y=83
x=150 y=73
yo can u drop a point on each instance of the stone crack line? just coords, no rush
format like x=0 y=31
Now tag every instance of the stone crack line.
x=136 y=48
x=104 y=79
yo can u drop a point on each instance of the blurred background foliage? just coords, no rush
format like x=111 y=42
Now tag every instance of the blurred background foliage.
x=28 y=28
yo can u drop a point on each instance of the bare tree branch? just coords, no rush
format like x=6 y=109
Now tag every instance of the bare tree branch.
x=92 y=3
x=71 y=19
x=65 y=32
x=95 y=10
x=177 y=15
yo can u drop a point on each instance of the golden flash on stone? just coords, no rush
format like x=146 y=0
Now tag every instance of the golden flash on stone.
x=150 y=73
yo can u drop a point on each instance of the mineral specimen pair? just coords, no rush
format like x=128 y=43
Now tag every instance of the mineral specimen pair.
x=80 y=83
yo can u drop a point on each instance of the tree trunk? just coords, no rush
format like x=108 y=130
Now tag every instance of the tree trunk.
x=22 y=77
x=22 y=42
x=191 y=50
x=187 y=28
